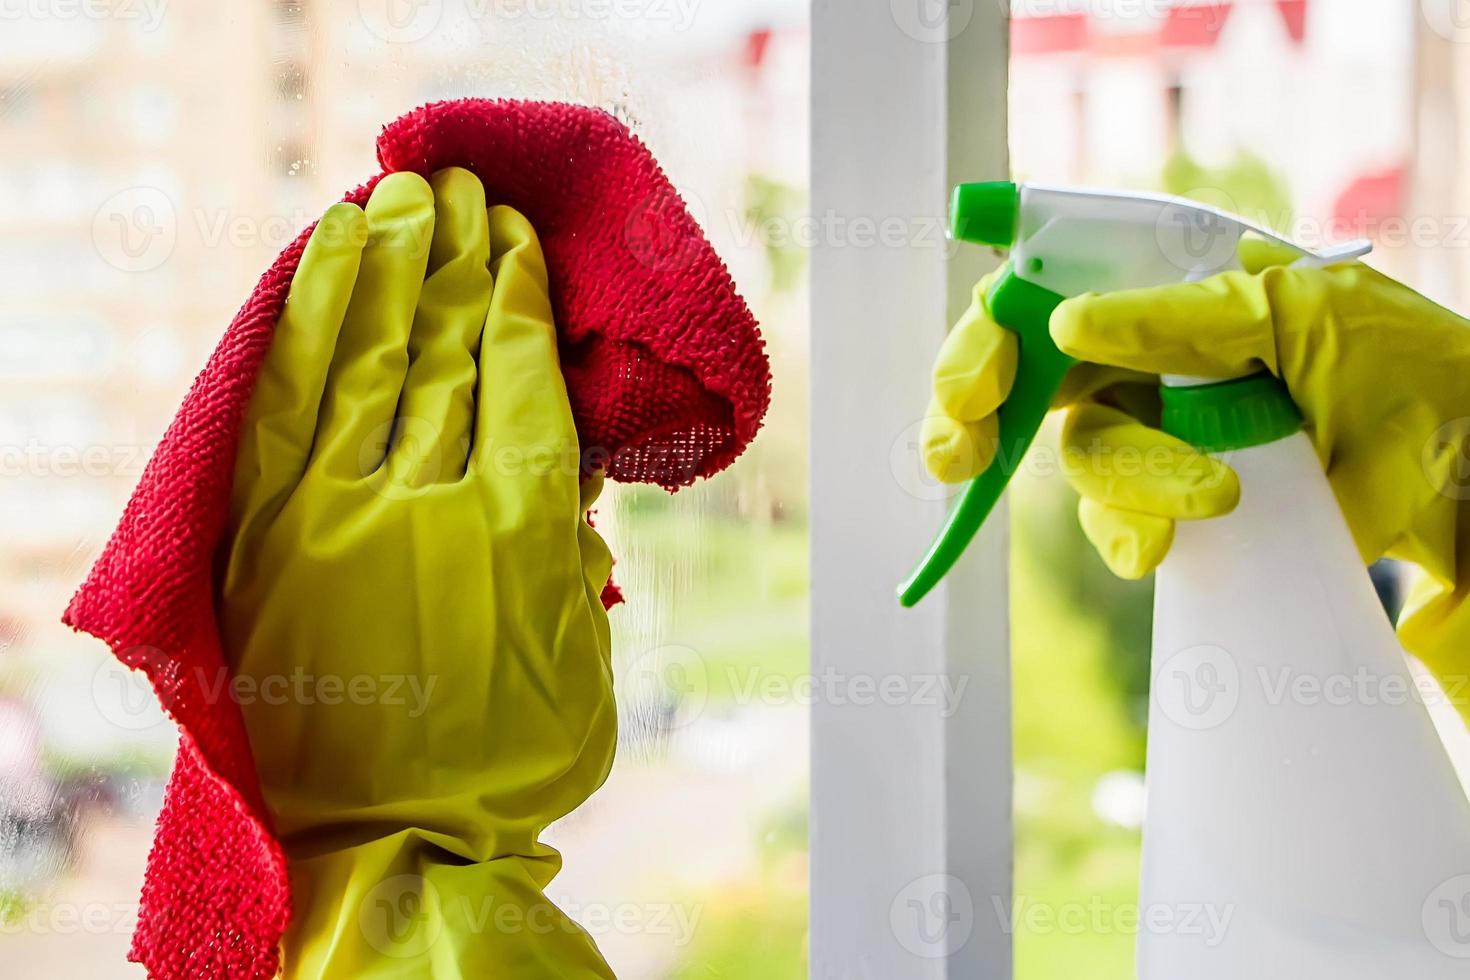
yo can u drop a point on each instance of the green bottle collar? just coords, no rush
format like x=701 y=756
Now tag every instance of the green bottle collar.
x=1227 y=415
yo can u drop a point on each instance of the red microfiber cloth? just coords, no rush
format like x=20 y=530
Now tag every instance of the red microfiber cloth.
x=668 y=380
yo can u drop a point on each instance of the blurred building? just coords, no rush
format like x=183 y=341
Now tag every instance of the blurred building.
x=116 y=149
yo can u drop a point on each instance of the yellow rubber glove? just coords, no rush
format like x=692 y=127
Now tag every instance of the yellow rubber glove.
x=1381 y=374
x=411 y=595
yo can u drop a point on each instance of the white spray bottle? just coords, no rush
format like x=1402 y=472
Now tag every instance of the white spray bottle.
x=1304 y=821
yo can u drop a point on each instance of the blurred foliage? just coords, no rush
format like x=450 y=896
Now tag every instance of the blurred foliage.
x=773 y=207
x=1048 y=543
x=1245 y=186
x=1080 y=653
x=758 y=927
x=14 y=906
x=747 y=618
x=128 y=762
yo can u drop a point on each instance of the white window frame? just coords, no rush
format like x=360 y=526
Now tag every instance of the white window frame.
x=911 y=838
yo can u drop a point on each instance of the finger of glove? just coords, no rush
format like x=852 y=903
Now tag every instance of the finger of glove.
x=976 y=365
x=524 y=433
x=436 y=412
x=1116 y=460
x=1084 y=381
x=1218 y=328
x=1260 y=254
x=1130 y=544
x=955 y=451
x=371 y=359
x=280 y=423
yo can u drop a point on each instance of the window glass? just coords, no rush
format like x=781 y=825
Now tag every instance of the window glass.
x=154 y=157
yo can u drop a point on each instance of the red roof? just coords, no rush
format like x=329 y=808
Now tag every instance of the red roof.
x=1196 y=25
x=1049 y=33
x=1294 y=12
x=757 y=43
x=1185 y=25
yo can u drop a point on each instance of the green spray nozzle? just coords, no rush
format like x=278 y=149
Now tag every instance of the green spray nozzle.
x=989 y=214
x=986 y=213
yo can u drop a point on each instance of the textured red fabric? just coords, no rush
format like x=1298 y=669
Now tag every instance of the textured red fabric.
x=668 y=380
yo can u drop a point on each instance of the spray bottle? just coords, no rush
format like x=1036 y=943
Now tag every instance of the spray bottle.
x=1304 y=821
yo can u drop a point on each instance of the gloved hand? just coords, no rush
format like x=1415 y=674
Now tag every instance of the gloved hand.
x=410 y=598
x=1381 y=374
